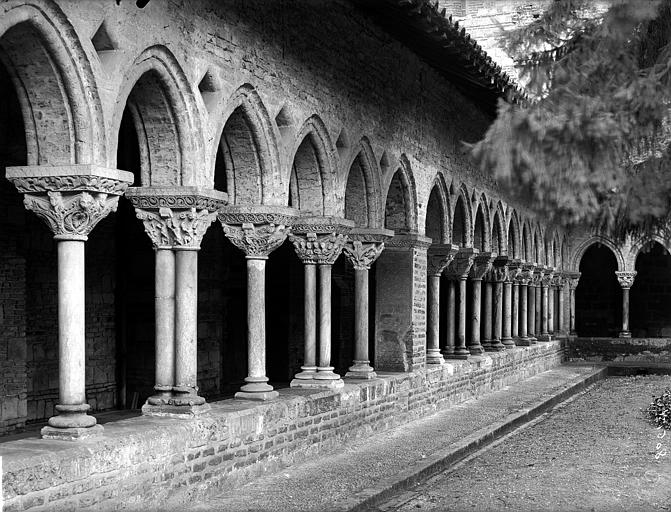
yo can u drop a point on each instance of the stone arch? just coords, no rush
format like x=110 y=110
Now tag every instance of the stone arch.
x=400 y=211
x=437 y=220
x=165 y=116
x=514 y=242
x=55 y=85
x=556 y=248
x=461 y=219
x=247 y=152
x=312 y=171
x=597 y=239
x=499 y=235
x=637 y=245
x=481 y=226
x=362 y=186
x=527 y=242
x=549 y=249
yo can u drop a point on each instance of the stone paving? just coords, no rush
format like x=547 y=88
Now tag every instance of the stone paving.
x=342 y=480
x=594 y=453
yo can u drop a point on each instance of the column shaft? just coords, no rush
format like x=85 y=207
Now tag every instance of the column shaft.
x=475 y=347
x=551 y=310
x=625 y=314
x=524 y=314
x=325 y=370
x=561 y=322
x=433 y=355
x=531 y=312
x=544 y=314
x=361 y=367
x=506 y=335
x=538 y=305
x=572 y=312
x=515 y=326
x=460 y=350
x=451 y=319
x=487 y=314
x=186 y=328
x=164 y=303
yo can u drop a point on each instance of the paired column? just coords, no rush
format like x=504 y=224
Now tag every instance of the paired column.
x=487 y=311
x=626 y=280
x=561 y=317
x=499 y=275
x=363 y=247
x=545 y=283
x=257 y=231
x=71 y=200
x=439 y=256
x=482 y=263
x=512 y=308
x=318 y=242
x=457 y=271
x=573 y=279
x=525 y=277
x=176 y=220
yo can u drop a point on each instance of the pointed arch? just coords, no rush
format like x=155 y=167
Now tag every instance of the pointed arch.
x=527 y=241
x=462 y=233
x=55 y=85
x=499 y=233
x=362 y=186
x=481 y=226
x=313 y=169
x=597 y=239
x=637 y=246
x=556 y=250
x=400 y=211
x=514 y=238
x=247 y=151
x=165 y=116
x=437 y=221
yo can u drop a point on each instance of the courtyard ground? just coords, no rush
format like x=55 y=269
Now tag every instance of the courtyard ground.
x=595 y=452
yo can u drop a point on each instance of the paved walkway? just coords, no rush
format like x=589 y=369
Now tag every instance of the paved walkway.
x=371 y=469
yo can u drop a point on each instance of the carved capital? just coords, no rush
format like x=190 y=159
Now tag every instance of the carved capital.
x=257 y=230
x=70 y=199
x=461 y=265
x=316 y=249
x=499 y=271
x=438 y=257
x=558 y=281
x=514 y=270
x=482 y=263
x=526 y=274
x=546 y=277
x=362 y=254
x=169 y=228
x=573 y=278
x=626 y=278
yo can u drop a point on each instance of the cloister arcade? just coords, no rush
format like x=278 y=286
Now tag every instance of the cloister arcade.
x=305 y=219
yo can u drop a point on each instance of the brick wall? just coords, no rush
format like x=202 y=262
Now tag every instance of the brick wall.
x=181 y=461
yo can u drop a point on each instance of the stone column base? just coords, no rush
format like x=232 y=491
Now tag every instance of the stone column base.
x=168 y=410
x=624 y=334
x=459 y=353
x=544 y=337
x=257 y=395
x=433 y=356
x=71 y=433
x=524 y=342
x=476 y=350
x=361 y=370
x=507 y=343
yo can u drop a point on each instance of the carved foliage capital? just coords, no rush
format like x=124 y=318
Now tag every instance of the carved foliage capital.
x=626 y=278
x=500 y=274
x=460 y=266
x=71 y=214
x=176 y=228
x=481 y=265
x=362 y=254
x=316 y=249
x=256 y=241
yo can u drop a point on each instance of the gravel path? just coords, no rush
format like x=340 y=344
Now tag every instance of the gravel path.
x=595 y=452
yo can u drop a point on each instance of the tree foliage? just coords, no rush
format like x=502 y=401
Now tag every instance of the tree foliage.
x=592 y=143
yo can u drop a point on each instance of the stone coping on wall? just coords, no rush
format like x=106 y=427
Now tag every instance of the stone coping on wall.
x=595 y=349
x=148 y=461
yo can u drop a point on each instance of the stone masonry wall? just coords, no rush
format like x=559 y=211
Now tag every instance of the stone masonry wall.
x=181 y=461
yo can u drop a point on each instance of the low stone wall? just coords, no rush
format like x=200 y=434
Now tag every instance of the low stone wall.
x=157 y=462
x=627 y=350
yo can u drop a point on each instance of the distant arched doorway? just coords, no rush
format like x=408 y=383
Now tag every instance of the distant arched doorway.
x=650 y=300
x=598 y=297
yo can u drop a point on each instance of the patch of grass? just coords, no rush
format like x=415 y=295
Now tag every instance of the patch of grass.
x=659 y=411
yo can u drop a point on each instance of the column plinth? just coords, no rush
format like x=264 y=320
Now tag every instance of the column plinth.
x=71 y=200
x=257 y=231
x=458 y=270
x=482 y=263
x=176 y=220
x=363 y=247
x=439 y=256
x=318 y=241
x=626 y=280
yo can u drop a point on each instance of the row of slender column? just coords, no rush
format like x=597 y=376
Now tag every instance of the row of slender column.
x=512 y=302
